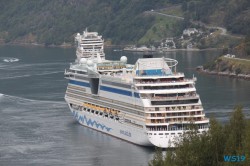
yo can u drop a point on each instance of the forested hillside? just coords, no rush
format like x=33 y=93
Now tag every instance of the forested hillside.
x=120 y=22
x=54 y=22
x=232 y=14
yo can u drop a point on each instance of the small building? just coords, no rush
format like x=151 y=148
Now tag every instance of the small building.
x=190 y=31
x=229 y=56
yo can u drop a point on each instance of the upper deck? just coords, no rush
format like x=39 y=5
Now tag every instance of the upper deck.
x=89 y=45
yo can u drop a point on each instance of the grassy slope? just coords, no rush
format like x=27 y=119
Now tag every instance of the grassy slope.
x=163 y=27
x=224 y=64
x=244 y=65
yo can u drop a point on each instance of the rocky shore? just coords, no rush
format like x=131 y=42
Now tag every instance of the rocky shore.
x=200 y=69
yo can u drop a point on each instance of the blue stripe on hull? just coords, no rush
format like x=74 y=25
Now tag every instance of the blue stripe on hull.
x=106 y=88
x=79 y=83
x=114 y=90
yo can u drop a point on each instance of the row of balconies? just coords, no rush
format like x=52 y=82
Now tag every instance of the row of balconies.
x=175 y=108
x=161 y=115
x=185 y=97
x=149 y=77
x=175 y=120
x=158 y=81
x=165 y=87
x=175 y=128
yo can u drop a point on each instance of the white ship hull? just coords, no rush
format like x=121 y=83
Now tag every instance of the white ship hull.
x=147 y=103
x=112 y=127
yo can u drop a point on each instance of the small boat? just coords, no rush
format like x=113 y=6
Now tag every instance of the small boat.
x=11 y=60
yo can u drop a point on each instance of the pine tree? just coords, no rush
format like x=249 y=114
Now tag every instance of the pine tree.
x=209 y=148
x=216 y=142
x=158 y=158
x=235 y=132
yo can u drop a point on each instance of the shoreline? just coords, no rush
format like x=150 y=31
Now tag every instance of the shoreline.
x=36 y=45
x=68 y=45
x=246 y=77
x=172 y=50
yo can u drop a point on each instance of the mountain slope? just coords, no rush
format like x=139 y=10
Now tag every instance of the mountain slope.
x=120 y=22
x=54 y=22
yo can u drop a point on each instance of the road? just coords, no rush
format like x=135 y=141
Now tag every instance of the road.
x=166 y=15
x=223 y=31
x=238 y=59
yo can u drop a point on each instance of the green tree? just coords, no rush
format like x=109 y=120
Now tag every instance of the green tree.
x=246 y=143
x=235 y=131
x=217 y=137
x=158 y=158
x=209 y=148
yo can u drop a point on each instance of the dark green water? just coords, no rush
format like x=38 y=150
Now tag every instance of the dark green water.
x=36 y=125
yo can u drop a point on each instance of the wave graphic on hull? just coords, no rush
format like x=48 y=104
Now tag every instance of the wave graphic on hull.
x=90 y=122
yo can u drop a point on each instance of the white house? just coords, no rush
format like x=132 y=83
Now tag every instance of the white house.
x=190 y=31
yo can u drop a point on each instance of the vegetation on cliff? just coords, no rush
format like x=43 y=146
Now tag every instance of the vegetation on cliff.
x=55 y=22
x=229 y=65
x=120 y=22
x=232 y=14
x=231 y=139
x=238 y=64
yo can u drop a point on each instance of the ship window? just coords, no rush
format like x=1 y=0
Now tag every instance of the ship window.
x=154 y=133
x=160 y=133
x=166 y=133
x=172 y=133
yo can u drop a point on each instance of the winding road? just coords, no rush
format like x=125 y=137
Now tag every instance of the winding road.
x=223 y=31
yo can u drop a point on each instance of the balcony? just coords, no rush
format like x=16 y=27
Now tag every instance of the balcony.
x=162 y=82
x=174 y=109
x=185 y=97
x=179 y=120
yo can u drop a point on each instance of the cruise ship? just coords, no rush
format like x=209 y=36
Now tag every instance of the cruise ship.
x=148 y=103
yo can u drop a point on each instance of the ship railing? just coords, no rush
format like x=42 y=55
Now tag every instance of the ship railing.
x=158 y=129
x=175 y=108
x=175 y=128
x=161 y=88
x=158 y=81
x=138 y=76
x=165 y=124
x=167 y=129
x=188 y=120
x=169 y=119
x=157 y=98
x=175 y=120
x=174 y=115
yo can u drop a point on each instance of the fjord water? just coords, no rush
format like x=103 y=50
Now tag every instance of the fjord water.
x=37 y=128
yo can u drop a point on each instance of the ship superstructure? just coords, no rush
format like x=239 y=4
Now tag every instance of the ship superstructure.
x=148 y=103
x=89 y=45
